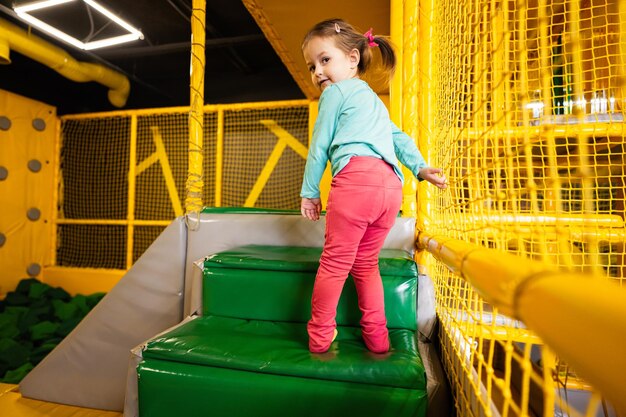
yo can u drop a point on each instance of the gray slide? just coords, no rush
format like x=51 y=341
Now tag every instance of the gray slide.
x=88 y=368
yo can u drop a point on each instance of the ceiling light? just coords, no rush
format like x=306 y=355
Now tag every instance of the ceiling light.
x=24 y=10
x=39 y=5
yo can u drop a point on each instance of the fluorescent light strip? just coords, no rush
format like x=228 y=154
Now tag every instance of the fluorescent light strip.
x=110 y=41
x=114 y=18
x=39 y=5
x=51 y=30
x=22 y=12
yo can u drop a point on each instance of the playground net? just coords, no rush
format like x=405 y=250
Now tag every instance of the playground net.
x=527 y=119
x=123 y=174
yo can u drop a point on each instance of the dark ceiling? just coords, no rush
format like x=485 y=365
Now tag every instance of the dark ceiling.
x=241 y=65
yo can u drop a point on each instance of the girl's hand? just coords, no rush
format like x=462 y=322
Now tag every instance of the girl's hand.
x=311 y=208
x=434 y=176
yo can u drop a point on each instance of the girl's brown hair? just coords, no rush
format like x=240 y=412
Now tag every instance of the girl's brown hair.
x=347 y=38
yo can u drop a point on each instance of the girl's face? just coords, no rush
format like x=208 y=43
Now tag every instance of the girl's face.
x=329 y=64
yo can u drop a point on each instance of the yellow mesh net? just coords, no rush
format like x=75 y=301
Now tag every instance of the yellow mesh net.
x=259 y=156
x=527 y=119
x=112 y=209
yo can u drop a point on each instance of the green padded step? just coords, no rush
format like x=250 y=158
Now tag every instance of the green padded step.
x=280 y=348
x=275 y=283
x=169 y=389
x=286 y=296
x=291 y=258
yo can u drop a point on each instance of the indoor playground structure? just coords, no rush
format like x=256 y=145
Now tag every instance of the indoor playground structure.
x=505 y=293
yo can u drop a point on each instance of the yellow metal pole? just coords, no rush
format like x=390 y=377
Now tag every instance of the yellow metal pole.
x=264 y=176
x=552 y=198
x=312 y=117
x=395 y=102
x=219 y=158
x=130 y=216
x=409 y=96
x=395 y=87
x=285 y=136
x=167 y=171
x=584 y=170
x=622 y=53
x=424 y=116
x=195 y=182
x=584 y=321
x=501 y=37
x=478 y=86
x=284 y=139
x=568 y=311
x=531 y=184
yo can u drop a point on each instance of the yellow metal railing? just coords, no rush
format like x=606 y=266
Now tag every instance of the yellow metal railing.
x=548 y=301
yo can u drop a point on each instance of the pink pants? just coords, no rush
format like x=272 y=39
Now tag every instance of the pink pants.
x=364 y=201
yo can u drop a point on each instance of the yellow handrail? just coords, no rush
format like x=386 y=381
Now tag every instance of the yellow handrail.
x=549 y=302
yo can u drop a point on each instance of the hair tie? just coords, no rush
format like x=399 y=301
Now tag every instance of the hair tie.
x=370 y=38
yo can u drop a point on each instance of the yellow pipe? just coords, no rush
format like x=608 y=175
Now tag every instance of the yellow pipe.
x=410 y=94
x=219 y=158
x=195 y=179
x=17 y=39
x=559 y=306
x=284 y=140
x=582 y=319
x=132 y=182
x=312 y=118
x=267 y=170
x=584 y=156
x=167 y=172
x=147 y=163
x=421 y=64
x=283 y=135
x=540 y=220
x=80 y=281
x=256 y=105
x=106 y=222
x=5 y=51
x=395 y=88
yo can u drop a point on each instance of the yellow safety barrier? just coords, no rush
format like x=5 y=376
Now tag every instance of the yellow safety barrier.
x=522 y=104
x=549 y=302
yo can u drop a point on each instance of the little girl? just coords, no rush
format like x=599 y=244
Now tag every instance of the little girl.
x=354 y=132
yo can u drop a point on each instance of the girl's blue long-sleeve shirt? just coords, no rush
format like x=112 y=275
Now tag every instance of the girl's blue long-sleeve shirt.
x=353 y=121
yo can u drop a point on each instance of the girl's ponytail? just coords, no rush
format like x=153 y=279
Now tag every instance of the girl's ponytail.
x=387 y=53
